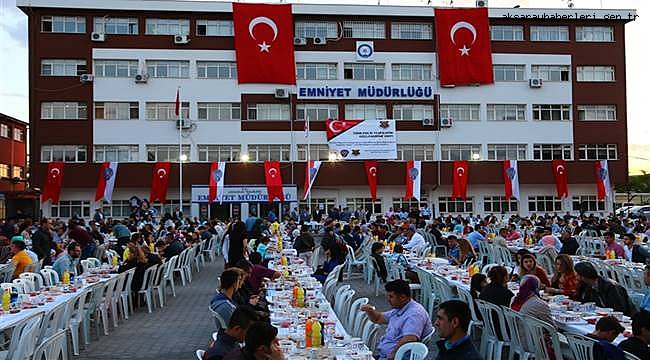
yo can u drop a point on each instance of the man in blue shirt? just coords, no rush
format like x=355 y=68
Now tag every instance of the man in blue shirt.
x=407 y=322
x=234 y=335
x=221 y=303
x=646 y=278
x=69 y=261
x=475 y=236
x=452 y=321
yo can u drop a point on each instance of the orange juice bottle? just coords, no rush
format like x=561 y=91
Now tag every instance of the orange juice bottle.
x=308 y=330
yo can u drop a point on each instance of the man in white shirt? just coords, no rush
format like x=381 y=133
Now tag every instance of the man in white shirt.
x=415 y=240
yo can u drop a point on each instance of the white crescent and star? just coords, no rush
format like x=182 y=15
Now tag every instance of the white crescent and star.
x=273 y=172
x=55 y=172
x=372 y=170
x=460 y=171
x=464 y=51
x=162 y=173
x=264 y=47
x=560 y=169
x=333 y=126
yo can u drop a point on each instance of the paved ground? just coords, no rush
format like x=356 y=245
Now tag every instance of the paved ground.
x=174 y=332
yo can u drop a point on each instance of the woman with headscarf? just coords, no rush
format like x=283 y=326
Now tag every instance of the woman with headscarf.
x=528 y=302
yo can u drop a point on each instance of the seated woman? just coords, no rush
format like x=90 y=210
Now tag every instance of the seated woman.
x=377 y=253
x=565 y=279
x=514 y=275
x=467 y=254
x=477 y=284
x=138 y=260
x=529 y=267
x=528 y=302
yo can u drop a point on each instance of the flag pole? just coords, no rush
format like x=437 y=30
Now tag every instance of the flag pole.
x=180 y=154
x=308 y=172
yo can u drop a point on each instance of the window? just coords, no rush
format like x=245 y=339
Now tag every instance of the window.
x=165 y=152
x=216 y=69
x=409 y=72
x=549 y=33
x=120 y=153
x=316 y=71
x=507 y=32
x=552 y=152
x=316 y=152
x=269 y=152
x=121 y=26
x=70 y=208
x=451 y=152
x=595 y=73
x=166 y=111
x=551 y=112
x=597 y=112
x=594 y=33
x=317 y=112
x=65 y=153
x=168 y=27
x=314 y=29
x=449 y=205
x=411 y=31
x=117 y=209
x=584 y=203
x=4 y=170
x=63 y=111
x=61 y=67
x=422 y=152
x=63 y=24
x=598 y=151
x=364 y=29
x=171 y=205
x=18 y=134
x=506 y=112
x=17 y=172
x=4 y=130
x=550 y=72
x=365 y=203
x=318 y=203
x=363 y=71
x=269 y=112
x=412 y=112
x=499 y=204
x=365 y=111
x=507 y=151
x=219 y=152
x=544 y=203
x=116 y=68
x=214 y=28
x=168 y=69
x=509 y=72
x=117 y=111
x=219 y=111
x=400 y=203
x=460 y=112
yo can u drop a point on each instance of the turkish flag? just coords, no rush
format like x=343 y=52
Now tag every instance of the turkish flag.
x=603 y=184
x=160 y=181
x=561 y=178
x=336 y=127
x=371 y=173
x=217 y=175
x=460 y=180
x=264 y=43
x=273 y=180
x=177 y=109
x=463 y=45
x=53 y=183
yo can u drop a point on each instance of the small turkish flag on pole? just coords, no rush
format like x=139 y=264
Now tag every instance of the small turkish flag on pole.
x=264 y=43
x=273 y=180
x=561 y=178
x=178 y=102
x=460 y=180
x=464 y=49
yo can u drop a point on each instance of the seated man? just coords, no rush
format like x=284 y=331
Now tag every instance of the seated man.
x=222 y=302
x=407 y=322
x=259 y=272
x=415 y=240
x=261 y=343
x=234 y=335
x=639 y=344
x=452 y=321
x=20 y=259
x=604 y=292
x=69 y=261
x=607 y=329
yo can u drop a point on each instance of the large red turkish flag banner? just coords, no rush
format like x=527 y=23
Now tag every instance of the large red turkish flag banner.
x=264 y=43
x=461 y=171
x=160 y=181
x=53 y=182
x=463 y=45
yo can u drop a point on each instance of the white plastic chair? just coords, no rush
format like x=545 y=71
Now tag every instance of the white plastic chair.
x=24 y=337
x=50 y=277
x=518 y=342
x=15 y=288
x=85 y=265
x=94 y=262
x=582 y=347
x=169 y=273
x=338 y=294
x=180 y=269
x=106 y=303
x=145 y=290
x=490 y=343
x=428 y=340
x=126 y=297
x=52 y=348
x=110 y=254
x=342 y=304
x=219 y=321
x=158 y=283
x=418 y=351
x=116 y=297
x=355 y=310
x=35 y=278
x=199 y=354
x=629 y=356
x=75 y=317
x=538 y=331
x=353 y=261
x=27 y=285
x=53 y=321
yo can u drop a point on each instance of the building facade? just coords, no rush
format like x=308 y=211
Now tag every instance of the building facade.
x=141 y=52
x=13 y=159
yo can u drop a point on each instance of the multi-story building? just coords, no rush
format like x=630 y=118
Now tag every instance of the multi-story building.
x=13 y=157
x=140 y=52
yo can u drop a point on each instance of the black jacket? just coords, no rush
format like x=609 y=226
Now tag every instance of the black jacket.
x=42 y=243
x=496 y=294
x=608 y=294
x=463 y=351
x=570 y=247
x=640 y=254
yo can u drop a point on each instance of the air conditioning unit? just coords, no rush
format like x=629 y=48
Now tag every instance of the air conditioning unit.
x=183 y=124
x=299 y=41
x=446 y=122
x=281 y=93
x=86 y=78
x=181 y=39
x=427 y=122
x=535 y=83
x=97 y=36
x=481 y=3
x=141 y=78
x=320 y=41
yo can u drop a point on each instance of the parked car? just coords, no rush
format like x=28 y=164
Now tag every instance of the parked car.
x=638 y=211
